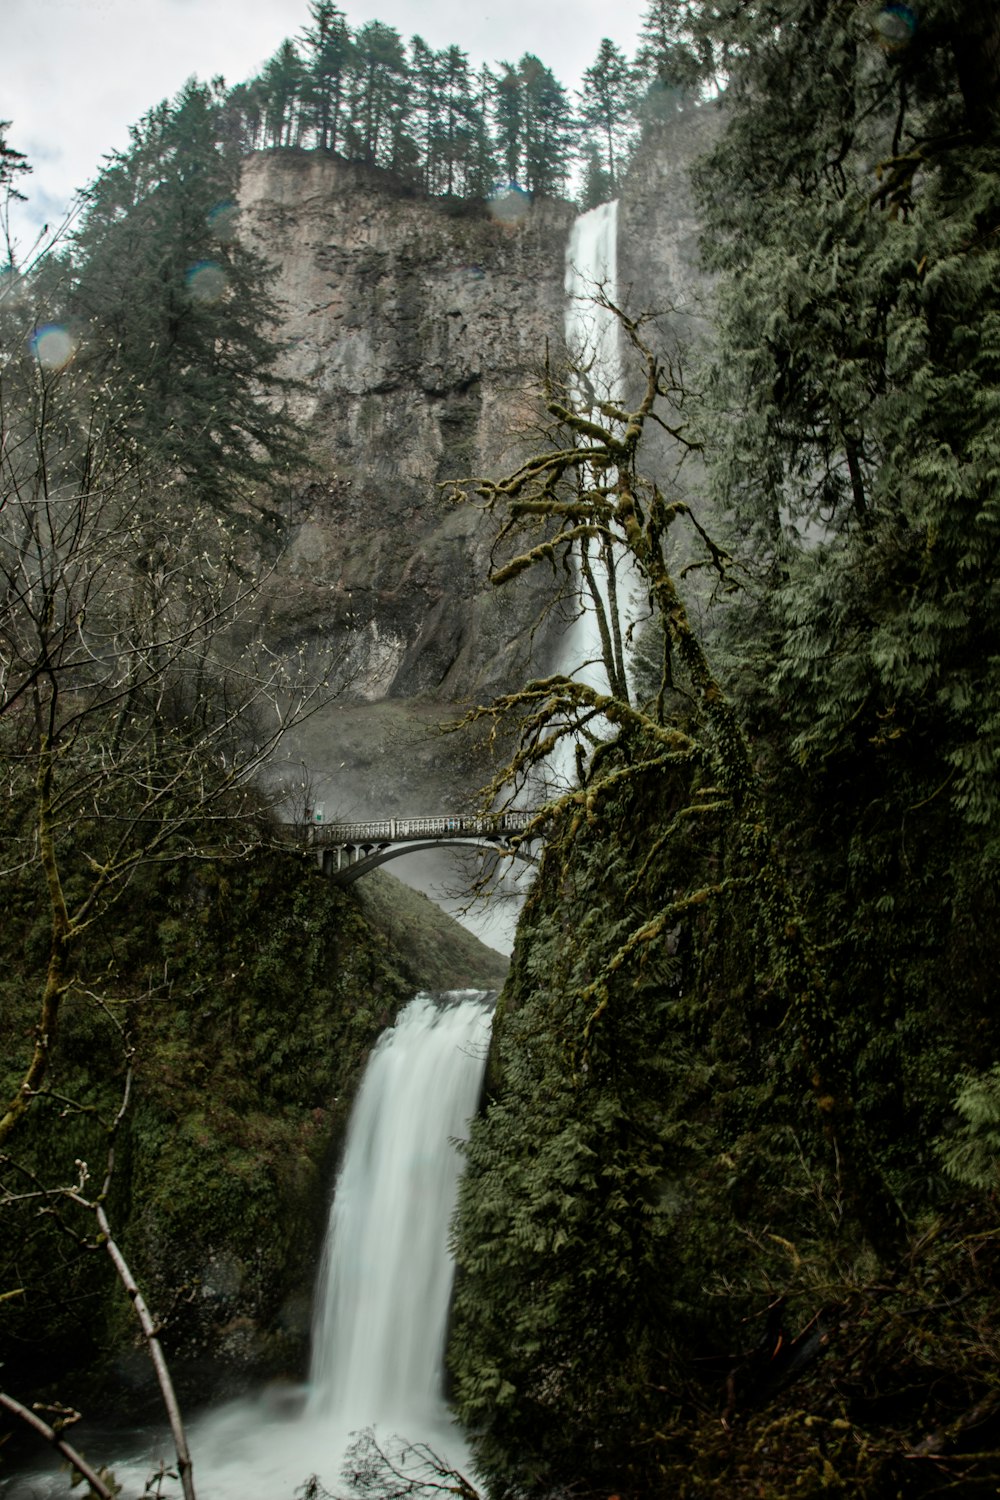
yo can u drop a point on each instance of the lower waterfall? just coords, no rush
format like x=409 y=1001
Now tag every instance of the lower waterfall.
x=383 y=1290
x=385 y=1280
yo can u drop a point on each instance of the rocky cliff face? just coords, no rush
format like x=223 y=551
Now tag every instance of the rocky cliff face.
x=658 y=227
x=660 y=276
x=417 y=331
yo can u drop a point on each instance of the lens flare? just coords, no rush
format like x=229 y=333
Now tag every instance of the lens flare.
x=509 y=203
x=53 y=346
x=895 y=26
x=205 y=281
x=221 y=220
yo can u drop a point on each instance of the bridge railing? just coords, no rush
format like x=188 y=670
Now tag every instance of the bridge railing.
x=393 y=830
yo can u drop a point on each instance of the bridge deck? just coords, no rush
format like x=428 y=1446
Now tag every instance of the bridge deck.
x=402 y=830
x=348 y=850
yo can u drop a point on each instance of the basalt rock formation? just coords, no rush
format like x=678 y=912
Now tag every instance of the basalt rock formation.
x=417 y=329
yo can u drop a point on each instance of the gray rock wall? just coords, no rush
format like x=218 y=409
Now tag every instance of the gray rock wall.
x=660 y=276
x=417 y=331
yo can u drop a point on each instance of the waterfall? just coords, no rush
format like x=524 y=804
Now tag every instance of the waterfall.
x=383 y=1289
x=593 y=341
x=592 y=332
x=385 y=1282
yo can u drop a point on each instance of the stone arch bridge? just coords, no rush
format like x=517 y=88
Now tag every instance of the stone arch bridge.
x=346 y=851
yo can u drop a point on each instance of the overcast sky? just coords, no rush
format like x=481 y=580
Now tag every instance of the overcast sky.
x=77 y=73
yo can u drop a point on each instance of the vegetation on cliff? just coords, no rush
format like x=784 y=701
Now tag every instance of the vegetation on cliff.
x=185 y=1003
x=729 y=1222
x=244 y=996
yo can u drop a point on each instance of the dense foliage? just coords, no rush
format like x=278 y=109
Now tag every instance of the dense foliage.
x=138 y=428
x=244 y=997
x=172 y=313
x=730 y=1222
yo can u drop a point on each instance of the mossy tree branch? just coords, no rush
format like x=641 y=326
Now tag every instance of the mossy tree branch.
x=598 y=490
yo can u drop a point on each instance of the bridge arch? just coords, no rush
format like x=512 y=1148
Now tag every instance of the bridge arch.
x=369 y=858
x=346 y=851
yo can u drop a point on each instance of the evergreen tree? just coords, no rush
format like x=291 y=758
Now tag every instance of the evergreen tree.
x=241 y=118
x=597 y=185
x=532 y=124
x=675 y=50
x=849 y=421
x=326 y=69
x=282 y=85
x=379 y=95
x=427 y=108
x=457 y=131
x=175 y=309
x=546 y=126
x=482 y=168
x=606 y=104
x=508 y=121
x=861 y=324
x=13 y=165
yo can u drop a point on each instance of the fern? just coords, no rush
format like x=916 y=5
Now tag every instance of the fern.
x=972 y=1154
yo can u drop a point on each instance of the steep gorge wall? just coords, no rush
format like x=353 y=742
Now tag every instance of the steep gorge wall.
x=417 y=331
x=658 y=224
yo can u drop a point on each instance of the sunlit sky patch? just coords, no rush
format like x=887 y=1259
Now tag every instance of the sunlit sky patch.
x=78 y=73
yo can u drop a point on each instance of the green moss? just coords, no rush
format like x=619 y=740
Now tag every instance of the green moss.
x=251 y=993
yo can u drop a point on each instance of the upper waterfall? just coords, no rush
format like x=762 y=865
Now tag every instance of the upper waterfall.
x=592 y=333
x=593 y=341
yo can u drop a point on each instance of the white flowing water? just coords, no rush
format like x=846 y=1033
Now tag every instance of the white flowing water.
x=383 y=1290
x=593 y=340
x=593 y=335
x=385 y=1283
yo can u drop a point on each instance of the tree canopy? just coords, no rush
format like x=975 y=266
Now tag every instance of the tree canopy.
x=744 y=1089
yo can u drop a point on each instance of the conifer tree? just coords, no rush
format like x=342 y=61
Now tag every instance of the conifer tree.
x=326 y=69
x=606 y=103
x=597 y=185
x=508 y=122
x=481 y=165
x=546 y=125
x=861 y=292
x=282 y=84
x=674 y=49
x=379 y=96
x=533 y=125
x=170 y=303
x=458 y=118
x=13 y=165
